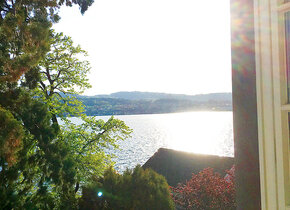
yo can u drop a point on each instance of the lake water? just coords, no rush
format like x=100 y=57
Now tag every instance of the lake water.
x=196 y=132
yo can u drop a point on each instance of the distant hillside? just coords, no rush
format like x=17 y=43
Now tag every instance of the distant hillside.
x=136 y=95
x=123 y=103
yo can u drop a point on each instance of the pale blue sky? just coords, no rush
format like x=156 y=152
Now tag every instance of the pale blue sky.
x=173 y=46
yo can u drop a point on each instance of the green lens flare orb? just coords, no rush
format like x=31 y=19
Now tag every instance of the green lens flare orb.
x=100 y=194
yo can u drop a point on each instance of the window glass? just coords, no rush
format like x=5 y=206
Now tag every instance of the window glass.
x=287 y=36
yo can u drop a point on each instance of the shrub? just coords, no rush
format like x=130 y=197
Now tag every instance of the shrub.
x=135 y=189
x=206 y=190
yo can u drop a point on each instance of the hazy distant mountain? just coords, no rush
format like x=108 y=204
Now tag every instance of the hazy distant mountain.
x=136 y=95
x=122 y=103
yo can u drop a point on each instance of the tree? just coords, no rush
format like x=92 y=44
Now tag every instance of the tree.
x=55 y=160
x=135 y=189
x=24 y=33
x=37 y=167
x=12 y=130
x=63 y=75
x=25 y=128
x=206 y=190
x=26 y=181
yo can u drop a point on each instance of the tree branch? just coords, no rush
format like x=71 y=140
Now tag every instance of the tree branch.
x=60 y=96
x=98 y=135
x=43 y=87
x=48 y=76
x=67 y=68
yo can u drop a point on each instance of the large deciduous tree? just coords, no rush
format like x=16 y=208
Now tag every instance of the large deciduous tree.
x=57 y=156
x=63 y=75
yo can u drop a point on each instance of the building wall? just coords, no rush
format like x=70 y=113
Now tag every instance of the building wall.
x=245 y=105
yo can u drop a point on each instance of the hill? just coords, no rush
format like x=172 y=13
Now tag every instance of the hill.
x=123 y=103
x=137 y=95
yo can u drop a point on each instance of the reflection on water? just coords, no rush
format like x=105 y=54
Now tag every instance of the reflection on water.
x=197 y=132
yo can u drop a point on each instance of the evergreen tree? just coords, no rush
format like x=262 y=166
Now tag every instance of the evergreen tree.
x=39 y=163
x=24 y=33
x=135 y=189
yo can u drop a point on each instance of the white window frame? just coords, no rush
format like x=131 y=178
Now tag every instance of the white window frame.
x=273 y=125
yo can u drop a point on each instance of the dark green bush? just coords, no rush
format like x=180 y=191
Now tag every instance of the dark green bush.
x=135 y=189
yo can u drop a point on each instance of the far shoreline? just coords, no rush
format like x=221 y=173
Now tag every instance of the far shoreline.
x=131 y=114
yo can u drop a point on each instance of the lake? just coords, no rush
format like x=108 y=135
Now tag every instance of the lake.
x=196 y=132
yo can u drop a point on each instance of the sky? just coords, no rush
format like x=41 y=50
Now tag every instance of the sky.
x=171 y=46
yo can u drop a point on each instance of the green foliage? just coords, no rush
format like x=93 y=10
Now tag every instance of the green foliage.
x=11 y=134
x=66 y=158
x=62 y=67
x=87 y=142
x=24 y=33
x=40 y=161
x=24 y=41
x=43 y=163
x=137 y=189
x=63 y=75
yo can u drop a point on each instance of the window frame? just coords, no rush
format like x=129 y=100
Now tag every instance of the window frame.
x=282 y=110
x=272 y=103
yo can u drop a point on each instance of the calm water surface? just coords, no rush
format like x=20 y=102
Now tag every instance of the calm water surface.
x=196 y=132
